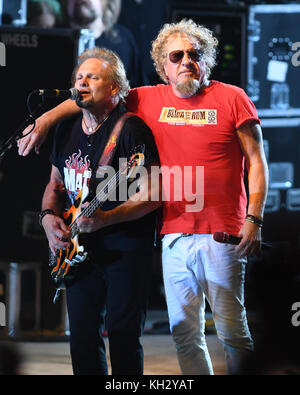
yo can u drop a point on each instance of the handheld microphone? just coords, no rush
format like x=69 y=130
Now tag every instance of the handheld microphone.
x=72 y=93
x=223 y=237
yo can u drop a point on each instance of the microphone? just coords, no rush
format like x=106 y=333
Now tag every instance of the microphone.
x=223 y=237
x=72 y=93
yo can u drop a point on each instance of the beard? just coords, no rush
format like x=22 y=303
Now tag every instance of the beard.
x=83 y=14
x=189 y=87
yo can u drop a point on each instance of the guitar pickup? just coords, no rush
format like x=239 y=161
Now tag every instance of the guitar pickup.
x=80 y=257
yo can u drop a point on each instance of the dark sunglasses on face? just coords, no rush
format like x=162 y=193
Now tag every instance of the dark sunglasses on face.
x=194 y=54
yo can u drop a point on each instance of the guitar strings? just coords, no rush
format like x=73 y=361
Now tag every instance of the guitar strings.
x=98 y=200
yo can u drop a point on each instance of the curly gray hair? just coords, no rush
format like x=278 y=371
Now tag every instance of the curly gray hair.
x=116 y=69
x=202 y=36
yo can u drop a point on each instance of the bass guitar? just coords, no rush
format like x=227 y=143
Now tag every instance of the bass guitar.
x=65 y=262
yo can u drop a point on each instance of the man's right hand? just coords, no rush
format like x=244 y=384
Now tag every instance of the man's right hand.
x=36 y=138
x=56 y=231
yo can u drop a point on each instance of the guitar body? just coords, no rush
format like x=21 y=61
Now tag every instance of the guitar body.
x=64 y=263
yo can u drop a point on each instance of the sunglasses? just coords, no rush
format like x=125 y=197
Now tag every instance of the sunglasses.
x=194 y=54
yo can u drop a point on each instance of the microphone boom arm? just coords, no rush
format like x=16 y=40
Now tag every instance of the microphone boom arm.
x=30 y=120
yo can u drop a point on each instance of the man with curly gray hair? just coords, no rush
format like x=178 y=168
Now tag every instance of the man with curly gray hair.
x=201 y=123
x=207 y=133
x=200 y=36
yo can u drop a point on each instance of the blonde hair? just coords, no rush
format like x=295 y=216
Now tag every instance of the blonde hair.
x=198 y=34
x=116 y=69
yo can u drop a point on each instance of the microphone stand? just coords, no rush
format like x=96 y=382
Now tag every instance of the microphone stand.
x=30 y=120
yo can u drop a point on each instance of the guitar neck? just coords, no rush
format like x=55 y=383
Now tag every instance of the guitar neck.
x=97 y=201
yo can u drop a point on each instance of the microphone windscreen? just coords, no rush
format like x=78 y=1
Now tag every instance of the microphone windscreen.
x=74 y=94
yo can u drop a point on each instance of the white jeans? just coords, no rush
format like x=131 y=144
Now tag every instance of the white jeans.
x=195 y=267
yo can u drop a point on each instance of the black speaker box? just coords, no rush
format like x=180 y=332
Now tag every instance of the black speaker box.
x=35 y=59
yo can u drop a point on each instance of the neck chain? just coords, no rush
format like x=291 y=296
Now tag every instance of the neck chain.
x=91 y=130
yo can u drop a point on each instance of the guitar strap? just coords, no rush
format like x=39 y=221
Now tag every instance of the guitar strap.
x=111 y=145
x=99 y=170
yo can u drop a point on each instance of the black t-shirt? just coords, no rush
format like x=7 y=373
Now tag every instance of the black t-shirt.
x=76 y=155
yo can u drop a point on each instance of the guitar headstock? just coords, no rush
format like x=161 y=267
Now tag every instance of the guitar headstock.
x=136 y=158
x=137 y=149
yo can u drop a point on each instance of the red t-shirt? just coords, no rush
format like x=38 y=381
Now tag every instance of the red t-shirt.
x=197 y=143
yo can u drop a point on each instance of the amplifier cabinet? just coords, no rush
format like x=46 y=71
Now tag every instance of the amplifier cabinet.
x=35 y=59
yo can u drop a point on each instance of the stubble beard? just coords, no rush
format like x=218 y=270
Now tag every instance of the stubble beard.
x=86 y=104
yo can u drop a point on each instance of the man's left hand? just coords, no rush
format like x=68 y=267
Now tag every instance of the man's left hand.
x=251 y=239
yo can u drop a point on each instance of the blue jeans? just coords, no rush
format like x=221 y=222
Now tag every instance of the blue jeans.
x=196 y=267
x=112 y=296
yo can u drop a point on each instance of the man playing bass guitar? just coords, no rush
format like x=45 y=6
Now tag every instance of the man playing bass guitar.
x=109 y=289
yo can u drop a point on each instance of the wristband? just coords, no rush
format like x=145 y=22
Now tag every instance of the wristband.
x=255 y=220
x=43 y=213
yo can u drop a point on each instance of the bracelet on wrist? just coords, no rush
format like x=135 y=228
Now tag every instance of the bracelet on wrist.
x=43 y=213
x=255 y=220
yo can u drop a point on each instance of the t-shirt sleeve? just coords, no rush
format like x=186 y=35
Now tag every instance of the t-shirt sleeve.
x=136 y=134
x=61 y=135
x=243 y=109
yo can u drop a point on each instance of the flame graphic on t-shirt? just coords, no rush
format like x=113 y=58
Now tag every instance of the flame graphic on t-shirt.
x=79 y=165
